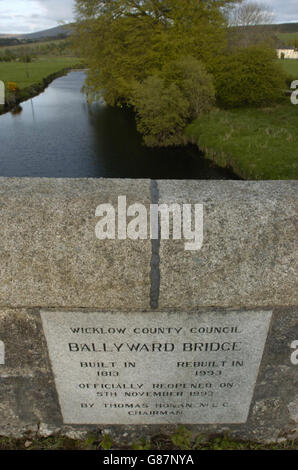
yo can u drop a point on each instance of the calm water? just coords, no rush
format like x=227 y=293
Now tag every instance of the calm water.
x=56 y=134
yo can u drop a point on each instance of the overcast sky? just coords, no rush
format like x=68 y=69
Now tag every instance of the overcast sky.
x=26 y=16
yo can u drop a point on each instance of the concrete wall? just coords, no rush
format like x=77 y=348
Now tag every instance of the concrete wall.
x=50 y=260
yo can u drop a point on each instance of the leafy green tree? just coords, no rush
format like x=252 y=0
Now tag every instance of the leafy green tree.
x=167 y=102
x=162 y=112
x=127 y=41
x=157 y=55
x=249 y=77
x=195 y=83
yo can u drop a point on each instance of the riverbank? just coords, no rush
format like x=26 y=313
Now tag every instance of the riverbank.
x=257 y=144
x=33 y=78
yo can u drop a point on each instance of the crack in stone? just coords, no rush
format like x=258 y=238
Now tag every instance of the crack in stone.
x=155 y=259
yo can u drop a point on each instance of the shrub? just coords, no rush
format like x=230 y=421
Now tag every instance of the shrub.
x=12 y=87
x=196 y=85
x=165 y=103
x=249 y=77
x=162 y=112
x=27 y=59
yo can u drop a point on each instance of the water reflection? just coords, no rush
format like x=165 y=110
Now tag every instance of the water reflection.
x=32 y=108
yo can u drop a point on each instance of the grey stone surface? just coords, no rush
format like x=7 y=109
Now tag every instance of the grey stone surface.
x=49 y=254
x=154 y=368
x=29 y=402
x=2 y=353
x=50 y=260
x=249 y=253
x=27 y=390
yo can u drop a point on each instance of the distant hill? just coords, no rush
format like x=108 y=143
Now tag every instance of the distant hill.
x=278 y=35
x=49 y=33
x=284 y=27
x=274 y=28
x=9 y=35
x=58 y=31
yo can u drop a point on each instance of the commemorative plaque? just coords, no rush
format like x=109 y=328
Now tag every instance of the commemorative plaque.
x=155 y=368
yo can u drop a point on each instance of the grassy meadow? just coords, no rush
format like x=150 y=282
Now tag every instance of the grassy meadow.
x=256 y=143
x=291 y=67
x=32 y=73
x=288 y=38
x=33 y=46
x=58 y=47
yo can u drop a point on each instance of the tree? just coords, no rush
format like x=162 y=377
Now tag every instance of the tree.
x=249 y=77
x=194 y=82
x=157 y=56
x=249 y=22
x=127 y=41
x=250 y=13
x=165 y=103
x=162 y=112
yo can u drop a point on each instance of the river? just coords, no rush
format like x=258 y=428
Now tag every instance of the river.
x=57 y=134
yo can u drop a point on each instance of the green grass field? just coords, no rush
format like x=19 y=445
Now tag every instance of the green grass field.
x=37 y=70
x=291 y=67
x=256 y=143
x=288 y=38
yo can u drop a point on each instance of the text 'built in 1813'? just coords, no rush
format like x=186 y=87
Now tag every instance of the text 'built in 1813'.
x=155 y=368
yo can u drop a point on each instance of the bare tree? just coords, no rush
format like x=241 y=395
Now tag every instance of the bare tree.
x=248 y=21
x=250 y=13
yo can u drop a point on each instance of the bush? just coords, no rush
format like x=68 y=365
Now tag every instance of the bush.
x=27 y=59
x=249 y=77
x=161 y=112
x=165 y=103
x=12 y=87
x=196 y=85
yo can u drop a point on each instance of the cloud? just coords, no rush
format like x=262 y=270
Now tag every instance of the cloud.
x=56 y=10
x=284 y=11
x=26 y=16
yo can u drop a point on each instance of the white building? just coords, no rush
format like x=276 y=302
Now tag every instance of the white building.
x=287 y=53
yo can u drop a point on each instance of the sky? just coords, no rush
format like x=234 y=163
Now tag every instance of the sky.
x=28 y=16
